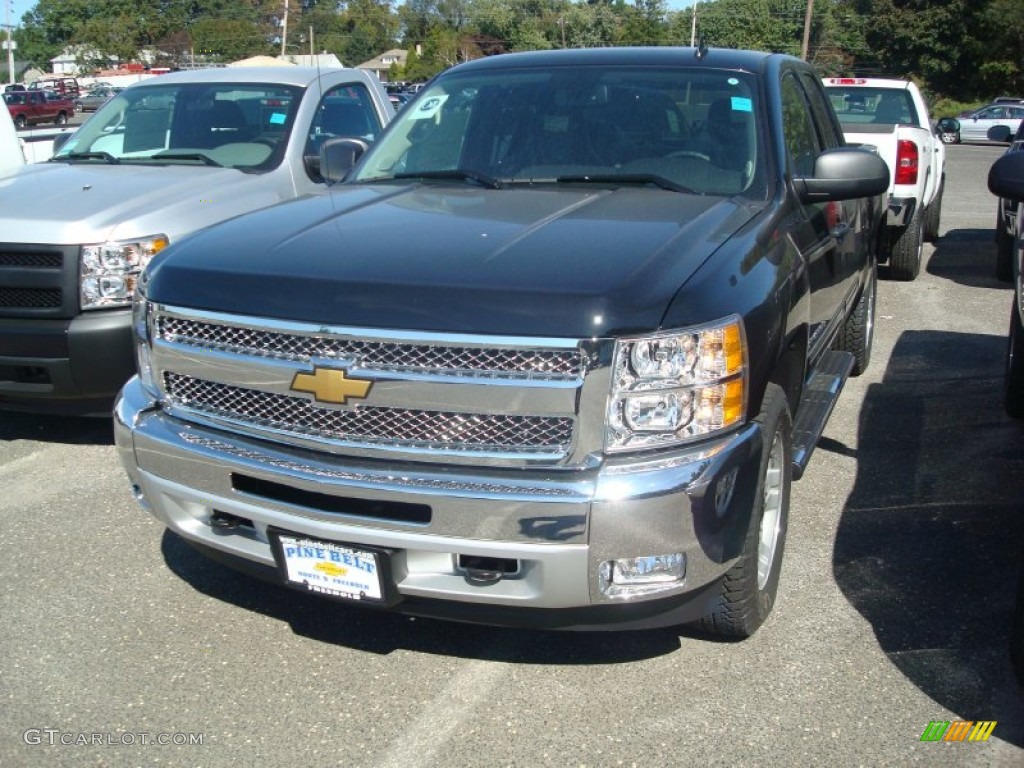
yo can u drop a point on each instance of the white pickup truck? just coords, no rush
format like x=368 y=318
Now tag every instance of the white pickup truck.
x=891 y=116
x=162 y=159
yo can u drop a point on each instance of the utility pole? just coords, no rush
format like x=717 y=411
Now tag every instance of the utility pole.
x=284 y=28
x=10 y=41
x=693 y=25
x=807 y=30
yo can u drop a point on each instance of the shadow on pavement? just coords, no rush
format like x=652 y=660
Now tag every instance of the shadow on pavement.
x=967 y=257
x=382 y=632
x=931 y=539
x=74 y=430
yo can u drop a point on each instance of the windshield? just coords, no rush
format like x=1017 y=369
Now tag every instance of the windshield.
x=236 y=125
x=685 y=129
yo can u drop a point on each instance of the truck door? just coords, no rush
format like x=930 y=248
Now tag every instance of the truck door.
x=823 y=231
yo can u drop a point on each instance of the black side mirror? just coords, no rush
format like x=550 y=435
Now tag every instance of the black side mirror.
x=843 y=174
x=1006 y=176
x=338 y=157
x=999 y=133
x=60 y=140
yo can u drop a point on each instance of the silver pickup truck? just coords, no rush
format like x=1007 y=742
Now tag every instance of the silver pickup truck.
x=164 y=158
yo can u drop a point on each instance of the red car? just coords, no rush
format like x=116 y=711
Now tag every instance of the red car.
x=33 y=107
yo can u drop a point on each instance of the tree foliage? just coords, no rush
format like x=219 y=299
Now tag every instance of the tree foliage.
x=962 y=49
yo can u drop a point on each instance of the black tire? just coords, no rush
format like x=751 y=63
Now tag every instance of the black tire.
x=1004 y=249
x=1014 y=381
x=934 y=213
x=20 y=122
x=858 y=331
x=61 y=119
x=905 y=256
x=747 y=593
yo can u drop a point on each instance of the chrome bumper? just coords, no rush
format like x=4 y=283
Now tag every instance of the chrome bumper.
x=560 y=525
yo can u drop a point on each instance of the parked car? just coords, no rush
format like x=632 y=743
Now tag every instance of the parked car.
x=33 y=107
x=976 y=126
x=158 y=161
x=1006 y=179
x=1006 y=216
x=94 y=99
x=65 y=86
x=551 y=354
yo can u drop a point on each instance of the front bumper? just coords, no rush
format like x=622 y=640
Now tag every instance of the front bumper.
x=65 y=366
x=558 y=526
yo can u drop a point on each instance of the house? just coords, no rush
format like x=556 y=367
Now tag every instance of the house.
x=381 y=65
x=67 y=61
x=321 y=60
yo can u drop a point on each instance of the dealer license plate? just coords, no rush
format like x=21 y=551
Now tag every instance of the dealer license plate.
x=330 y=569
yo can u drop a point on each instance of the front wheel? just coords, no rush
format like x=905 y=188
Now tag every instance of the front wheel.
x=1014 y=382
x=747 y=593
x=20 y=122
x=905 y=257
x=858 y=332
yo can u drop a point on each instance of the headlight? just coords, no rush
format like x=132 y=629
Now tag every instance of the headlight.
x=142 y=317
x=674 y=387
x=110 y=270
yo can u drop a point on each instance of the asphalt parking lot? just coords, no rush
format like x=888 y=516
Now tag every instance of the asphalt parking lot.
x=906 y=536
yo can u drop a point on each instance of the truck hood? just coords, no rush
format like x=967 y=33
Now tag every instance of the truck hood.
x=62 y=204
x=565 y=261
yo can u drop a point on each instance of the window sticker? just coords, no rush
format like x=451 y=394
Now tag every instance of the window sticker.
x=277 y=118
x=429 y=108
x=742 y=104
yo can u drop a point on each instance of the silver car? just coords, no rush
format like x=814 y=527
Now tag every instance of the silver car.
x=976 y=126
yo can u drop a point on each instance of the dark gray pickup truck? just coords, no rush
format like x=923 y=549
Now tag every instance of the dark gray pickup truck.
x=550 y=355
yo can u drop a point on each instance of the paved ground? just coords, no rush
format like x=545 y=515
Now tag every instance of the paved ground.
x=894 y=609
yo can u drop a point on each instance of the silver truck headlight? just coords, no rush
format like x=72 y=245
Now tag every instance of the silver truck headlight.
x=110 y=271
x=670 y=388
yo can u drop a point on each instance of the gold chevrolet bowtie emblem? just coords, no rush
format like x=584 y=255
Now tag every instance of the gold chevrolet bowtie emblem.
x=329 y=385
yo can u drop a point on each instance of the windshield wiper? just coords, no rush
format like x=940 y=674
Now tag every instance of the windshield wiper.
x=204 y=159
x=459 y=175
x=104 y=156
x=626 y=178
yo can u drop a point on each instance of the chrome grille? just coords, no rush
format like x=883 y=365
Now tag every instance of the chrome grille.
x=548 y=364
x=369 y=425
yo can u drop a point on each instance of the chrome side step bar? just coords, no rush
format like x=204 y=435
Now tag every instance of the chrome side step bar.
x=816 y=403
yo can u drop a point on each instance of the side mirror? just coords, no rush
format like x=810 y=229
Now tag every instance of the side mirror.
x=60 y=140
x=999 y=133
x=1006 y=176
x=337 y=157
x=843 y=174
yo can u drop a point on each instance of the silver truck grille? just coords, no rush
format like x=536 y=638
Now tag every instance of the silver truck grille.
x=546 y=364
x=369 y=425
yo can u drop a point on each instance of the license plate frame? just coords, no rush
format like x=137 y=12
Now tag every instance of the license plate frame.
x=333 y=569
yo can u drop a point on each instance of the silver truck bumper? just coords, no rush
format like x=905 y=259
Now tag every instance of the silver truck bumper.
x=556 y=526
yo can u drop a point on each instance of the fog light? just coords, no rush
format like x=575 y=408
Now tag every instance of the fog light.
x=633 y=576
